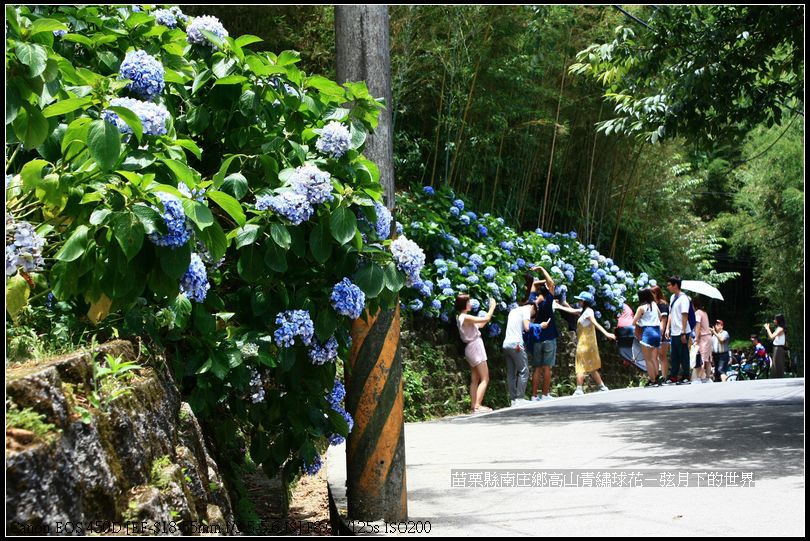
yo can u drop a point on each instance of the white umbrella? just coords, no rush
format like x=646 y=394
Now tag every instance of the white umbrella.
x=698 y=286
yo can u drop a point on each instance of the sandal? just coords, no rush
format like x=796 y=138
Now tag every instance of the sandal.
x=482 y=409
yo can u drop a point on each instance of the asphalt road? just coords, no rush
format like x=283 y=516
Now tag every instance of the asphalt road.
x=749 y=427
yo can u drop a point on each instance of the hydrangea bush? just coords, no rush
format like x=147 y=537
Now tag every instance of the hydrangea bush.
x=483 y=257
x=170 y=182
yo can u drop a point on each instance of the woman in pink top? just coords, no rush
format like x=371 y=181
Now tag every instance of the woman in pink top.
x=469 y=327
x=703 y=338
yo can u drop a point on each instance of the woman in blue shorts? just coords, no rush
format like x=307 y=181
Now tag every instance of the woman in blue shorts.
x=648 y=317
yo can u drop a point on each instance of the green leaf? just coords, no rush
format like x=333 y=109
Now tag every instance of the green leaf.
x=30 y=126
x=198 y=213
x=358 y=134
x=394 y=280
x=99 y=216
x=31 y=174
x=78 y=38
x=46 y=25
x=223 y=170
x=132 y=120
x=236 y=185
x=104 y=142
x=275 y=258
x=247 y=235
x=17 y=292
x=64 y=107
x=129 y=232
x=250 y=266
x=215 y=240
x=182 y=172
x=247 y=39
x=231 y=80
x=325 y=86
x=288 y=57
x=181 y=307
x=75 y=245
x=320 y=242
x=190 y=145
x=201 y=78
x=33 y=55
x=343 y=225
x=370 y=280
x=174 y=261
x=325 y=323
x=213 y=38
x=229 y=205
x=151 y=219
x=280 y=235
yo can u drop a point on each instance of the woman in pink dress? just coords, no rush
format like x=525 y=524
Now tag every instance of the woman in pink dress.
x=703 y=338
x=469 y=327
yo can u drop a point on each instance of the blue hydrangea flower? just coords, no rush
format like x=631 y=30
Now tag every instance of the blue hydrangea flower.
x=444 y=317
x=572 y=234
x=312 y=183
x=59 y=33
x=465 y=219
x=598 y=314
x=384 y=218
x=23 y=247
x=475 y=304
x=596 y=277
x=154 y=117
x=513 y=267
x=409 y=258
x=178 y=227
x=436 y=304
x=459 y=204
x=321 y=354
x=426 y=288
x=348 y=299
x=294 y=323
x=165 y=17
x=489 y=273
x=206 y=22
x=335 y=140
x=569 y=276
x=476 y=261
x=146 y=73
x=400 y=229
x=428 y=190
x=198 y=194
x=448 y=291
x=552 y=249
x=444 y=283
x=314 y=468
x=520 y=262
x=336 y=395
x=256 y=386
x=494 y=330
x=538 y=231
x=473 y=279
x=454 y=211
x=194 y=283
x=482 y=230
x=293 y=206
x=653 y=283
x=493 y=287
x=416 y=305
x=465 y=271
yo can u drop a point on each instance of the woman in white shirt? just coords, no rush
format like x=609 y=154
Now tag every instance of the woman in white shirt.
x=778 y=338
x=648 y=317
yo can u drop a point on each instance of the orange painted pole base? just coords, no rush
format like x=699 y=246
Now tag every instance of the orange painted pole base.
x=375 y=450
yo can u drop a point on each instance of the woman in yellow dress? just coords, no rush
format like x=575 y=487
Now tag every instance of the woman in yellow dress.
x=587 y=360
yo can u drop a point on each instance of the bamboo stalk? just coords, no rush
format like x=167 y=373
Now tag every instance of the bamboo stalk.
x=438 y=129
x=624 y=198
x=541 y=219
x=497 y=172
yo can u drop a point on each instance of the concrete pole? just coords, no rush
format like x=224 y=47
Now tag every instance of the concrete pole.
x=375 y=450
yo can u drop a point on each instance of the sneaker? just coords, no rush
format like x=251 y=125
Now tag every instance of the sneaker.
x=603 y=388
x=547 y=397
x=670 y=381
x=513 y=403
x=578 y=392
x=535 y=399
x=650 y=383
x=684 y=381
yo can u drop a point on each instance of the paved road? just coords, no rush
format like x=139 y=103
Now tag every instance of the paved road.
x=755 y=426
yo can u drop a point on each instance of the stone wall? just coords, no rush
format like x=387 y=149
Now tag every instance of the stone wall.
x=141 y=457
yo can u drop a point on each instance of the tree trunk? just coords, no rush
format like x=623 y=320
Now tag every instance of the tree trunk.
x=364 y=54
x=541 y=219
